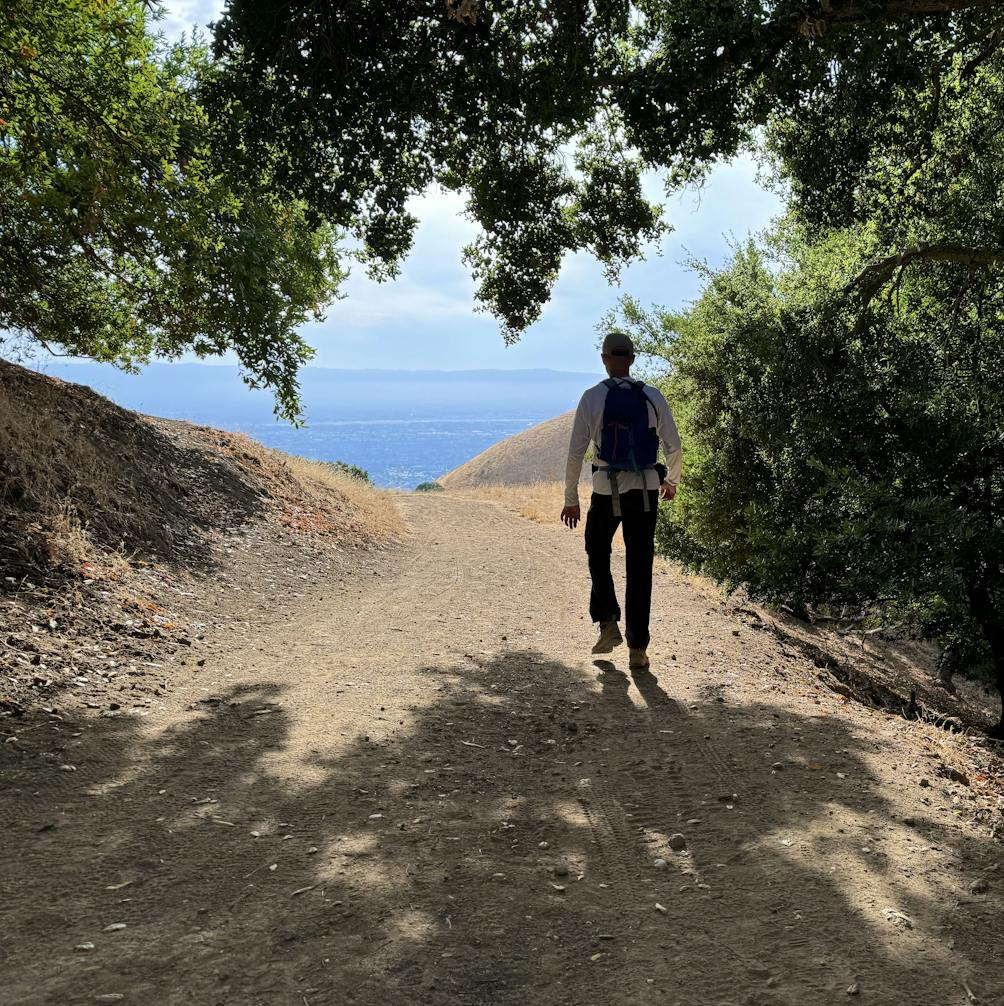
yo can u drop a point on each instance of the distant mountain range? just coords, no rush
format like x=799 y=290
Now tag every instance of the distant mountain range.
x=215 y=395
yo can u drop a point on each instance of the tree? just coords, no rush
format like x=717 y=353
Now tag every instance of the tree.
x=548 y=114
x=131 y=224
x=836 y=456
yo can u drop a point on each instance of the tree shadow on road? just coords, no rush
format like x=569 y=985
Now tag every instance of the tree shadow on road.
x=499 y=847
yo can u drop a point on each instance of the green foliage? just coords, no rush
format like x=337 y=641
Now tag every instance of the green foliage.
x=546 y=115
x=353 y=471
x=131 y=224
x=428 y=487
x=835 y=456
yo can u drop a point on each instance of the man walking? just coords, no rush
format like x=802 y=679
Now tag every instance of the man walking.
x=624 y=420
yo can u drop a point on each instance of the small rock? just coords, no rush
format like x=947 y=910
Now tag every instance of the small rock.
x=659 y=863
x=979 y=886
x=910 y=822
x=898 y=918
x=114 y=927
x=662 y=909
x=925 y=783
x=67 y=768
x=561 y=871
x=312 y=850
x=677 y=842
x=109 y=997
x=498 y=876
x=560 y=888
x=778 y=766
x=83 y=948
x=852 y=990
x=543 y=845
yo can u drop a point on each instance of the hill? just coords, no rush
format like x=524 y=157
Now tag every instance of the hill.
x=118 y=530
x=535 y=455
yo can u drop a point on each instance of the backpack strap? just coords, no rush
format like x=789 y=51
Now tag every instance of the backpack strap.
x=615 y=493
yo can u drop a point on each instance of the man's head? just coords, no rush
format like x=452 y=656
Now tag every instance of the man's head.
x=617 y=353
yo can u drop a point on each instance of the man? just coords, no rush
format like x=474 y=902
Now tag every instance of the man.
x=624 y=420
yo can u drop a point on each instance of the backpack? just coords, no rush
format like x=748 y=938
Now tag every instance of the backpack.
x=628 y=443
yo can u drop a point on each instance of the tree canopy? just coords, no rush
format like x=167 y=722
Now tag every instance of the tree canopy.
x=126 y=228
x=547 y=115
x=838 y=458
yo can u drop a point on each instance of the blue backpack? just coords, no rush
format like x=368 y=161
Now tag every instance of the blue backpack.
x=628 y=442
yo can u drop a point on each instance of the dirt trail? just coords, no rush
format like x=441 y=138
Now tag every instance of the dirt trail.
x=421 y=789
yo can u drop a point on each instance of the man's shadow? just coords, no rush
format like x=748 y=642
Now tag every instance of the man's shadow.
x=614 y=684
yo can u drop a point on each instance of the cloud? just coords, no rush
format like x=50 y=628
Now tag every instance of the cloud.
x=430 y=308
x=181 y=16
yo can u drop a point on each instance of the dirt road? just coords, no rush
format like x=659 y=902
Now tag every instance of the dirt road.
x=419 y=788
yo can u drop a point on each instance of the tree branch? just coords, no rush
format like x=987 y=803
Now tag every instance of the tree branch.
x=876 y=274
x=812 y=22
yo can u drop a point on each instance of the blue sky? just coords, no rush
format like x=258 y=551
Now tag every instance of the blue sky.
x=426 y=319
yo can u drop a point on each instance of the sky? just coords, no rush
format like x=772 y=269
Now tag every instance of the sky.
x=427 y=317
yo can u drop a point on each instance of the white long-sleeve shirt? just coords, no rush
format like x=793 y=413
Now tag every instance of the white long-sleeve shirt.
x=588 y=429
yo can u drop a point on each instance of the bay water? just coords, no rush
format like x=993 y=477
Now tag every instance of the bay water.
x=402 y=427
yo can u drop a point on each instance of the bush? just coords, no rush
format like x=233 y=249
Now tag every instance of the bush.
x=429 y=487
x=837 y=454
x=353 y=471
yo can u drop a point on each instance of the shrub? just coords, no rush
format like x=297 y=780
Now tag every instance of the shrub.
x=428 y=487
x=837 y=454
x=353 y=471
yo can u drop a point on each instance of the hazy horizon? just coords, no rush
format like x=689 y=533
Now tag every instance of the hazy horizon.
x=402 y=426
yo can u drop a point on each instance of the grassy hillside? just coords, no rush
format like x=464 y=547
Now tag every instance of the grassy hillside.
x=535 y=455
x=113 y=524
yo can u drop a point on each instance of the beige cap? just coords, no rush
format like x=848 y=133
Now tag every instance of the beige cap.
x=617 y=344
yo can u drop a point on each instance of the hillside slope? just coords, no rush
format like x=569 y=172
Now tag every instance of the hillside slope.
x=535 y=455
x=117 y=529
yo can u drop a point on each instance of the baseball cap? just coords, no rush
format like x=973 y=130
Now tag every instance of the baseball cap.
x=617 y=344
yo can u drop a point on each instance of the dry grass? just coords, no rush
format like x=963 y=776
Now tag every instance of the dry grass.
x=52 y=477
x=370 y=513
x=537 y=455
x=84 y=484
x=538 y=501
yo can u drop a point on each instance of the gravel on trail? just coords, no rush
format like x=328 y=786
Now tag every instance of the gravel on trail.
x=405 y=780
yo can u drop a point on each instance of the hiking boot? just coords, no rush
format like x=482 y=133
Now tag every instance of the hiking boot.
x=610 y=636
x=637 y=659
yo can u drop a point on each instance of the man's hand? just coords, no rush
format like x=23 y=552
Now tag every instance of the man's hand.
x=667 y=491
x=570 y=515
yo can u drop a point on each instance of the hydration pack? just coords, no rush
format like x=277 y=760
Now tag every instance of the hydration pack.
x=628 y=442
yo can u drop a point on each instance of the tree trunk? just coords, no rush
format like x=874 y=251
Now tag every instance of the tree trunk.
x=991 y=621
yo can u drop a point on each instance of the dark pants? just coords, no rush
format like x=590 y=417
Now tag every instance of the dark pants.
x=638 y=529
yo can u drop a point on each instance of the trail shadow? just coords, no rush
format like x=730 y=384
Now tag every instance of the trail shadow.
x=498 y=848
